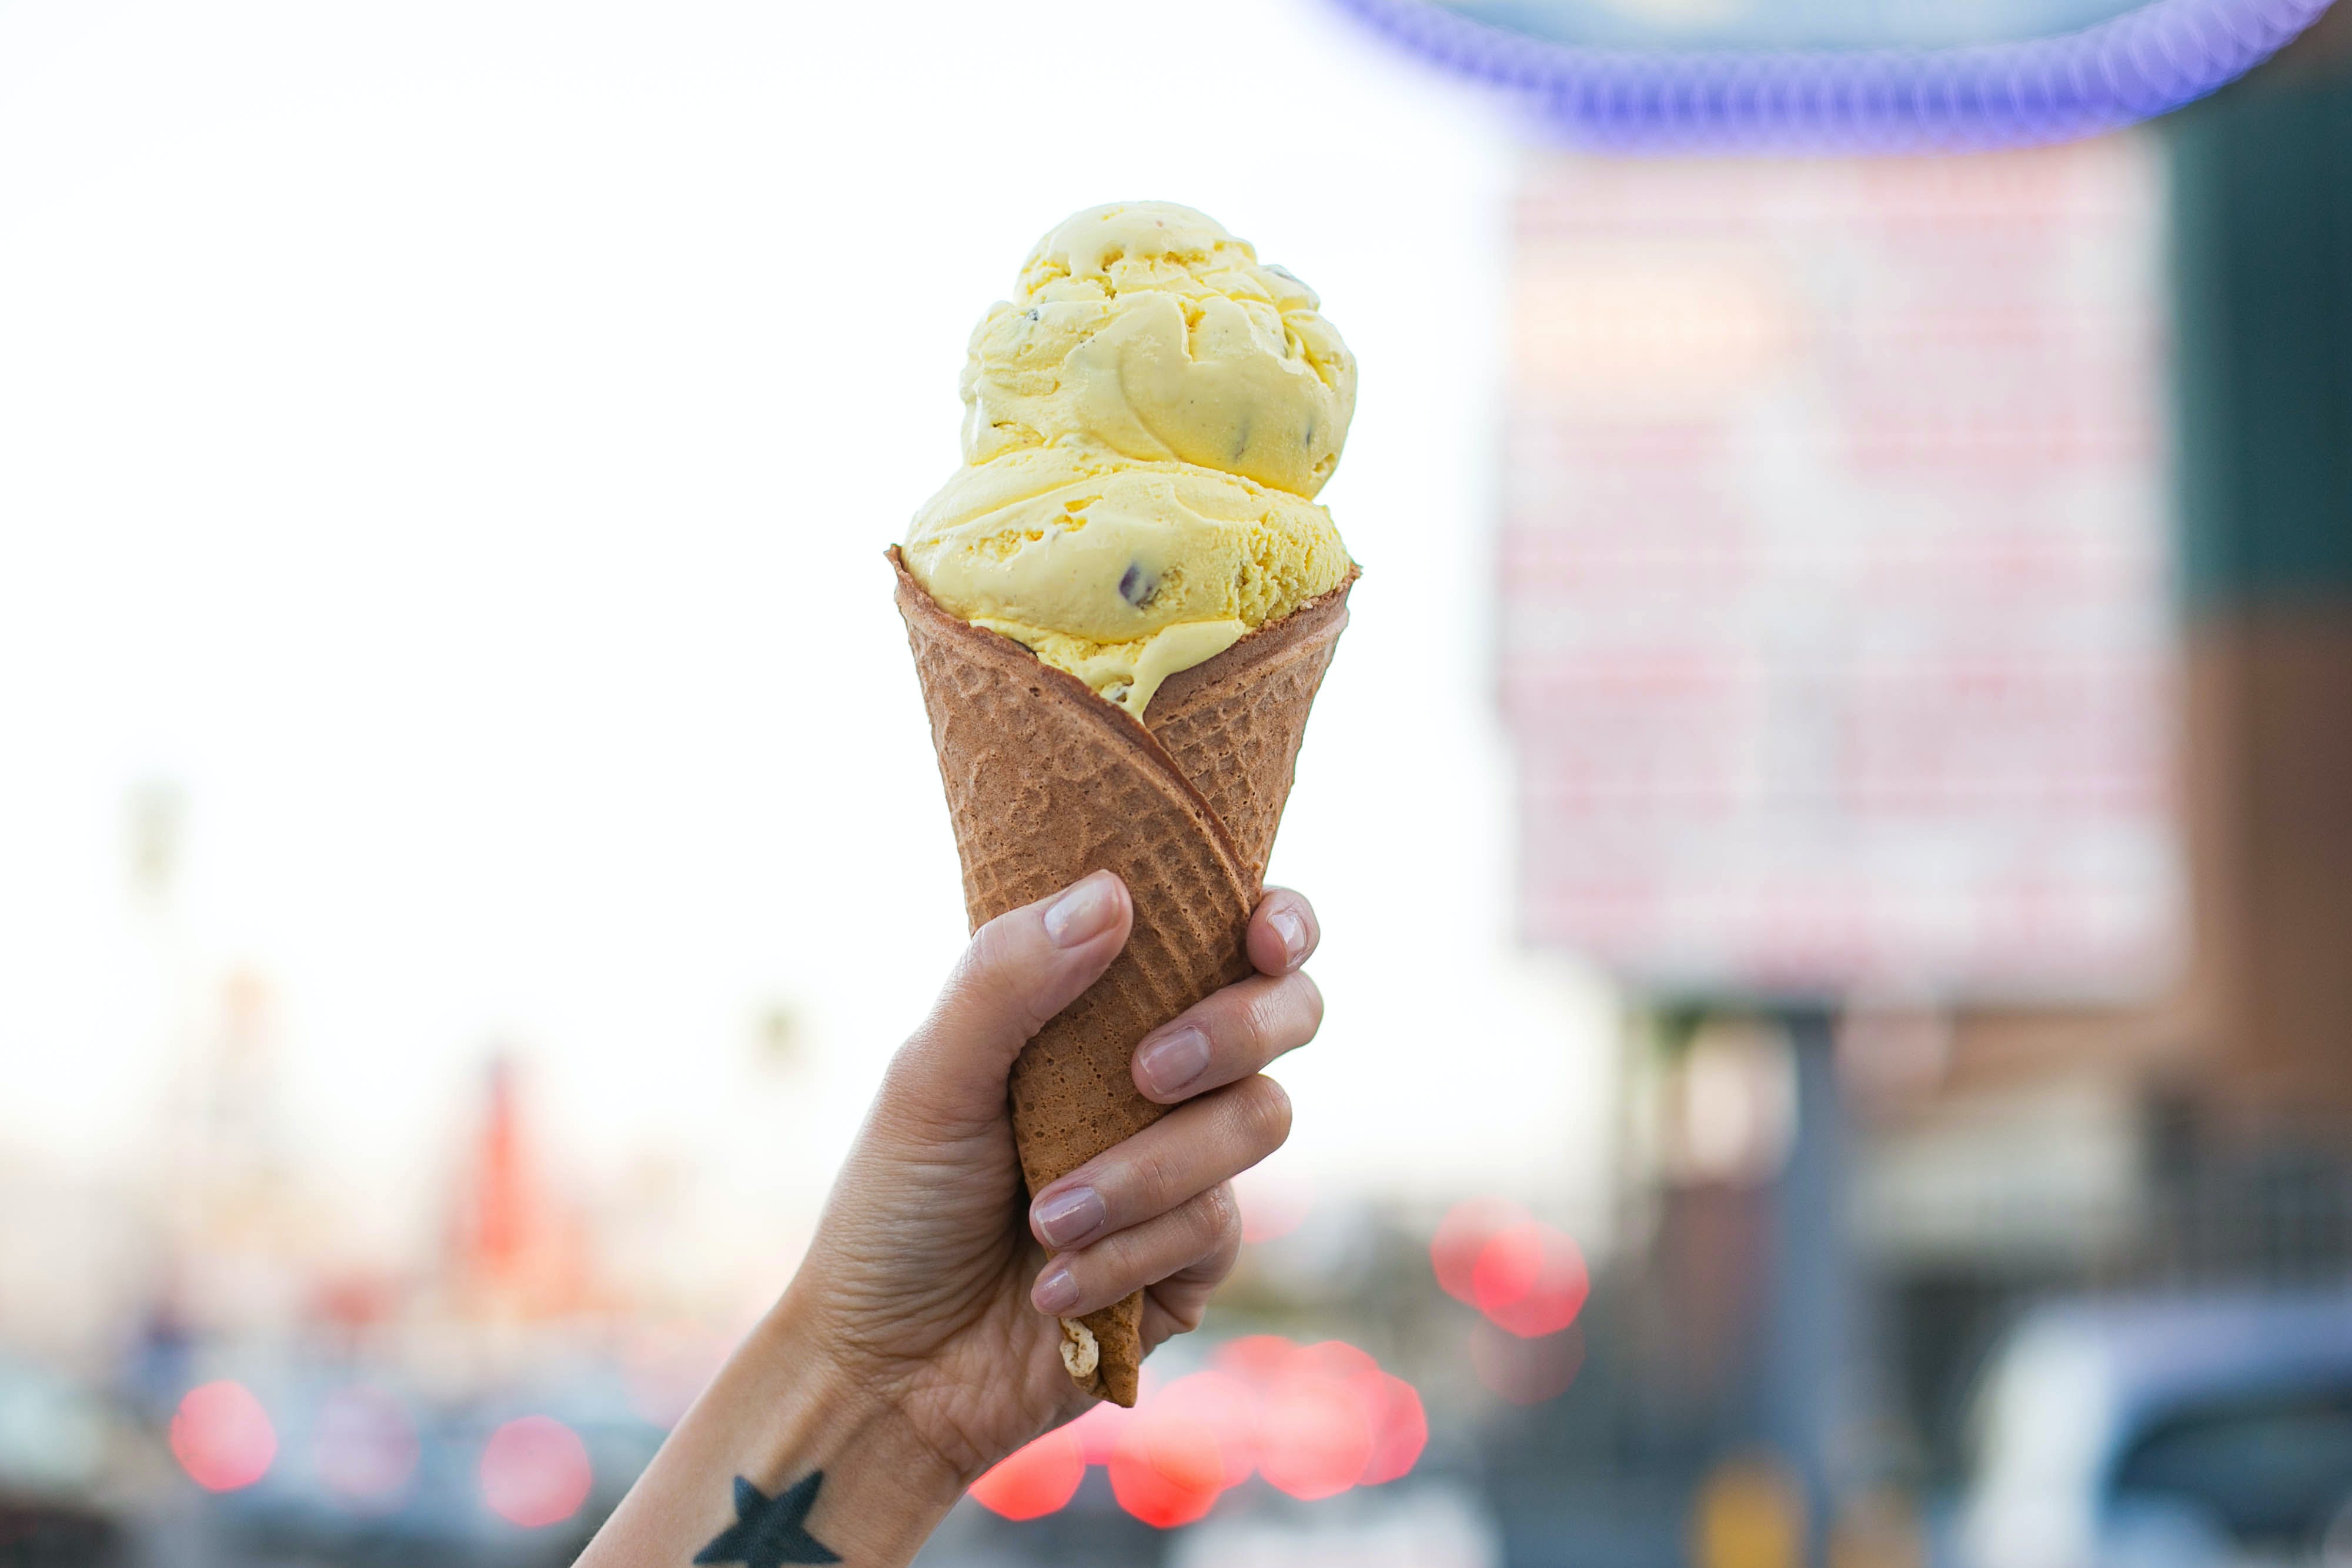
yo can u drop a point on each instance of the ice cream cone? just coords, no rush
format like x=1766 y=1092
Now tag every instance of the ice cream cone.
x=1046 y=782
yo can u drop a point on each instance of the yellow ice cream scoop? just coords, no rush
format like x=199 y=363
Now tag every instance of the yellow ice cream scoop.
x=1149 y=329
x=1146 y=427
x=1120 y=572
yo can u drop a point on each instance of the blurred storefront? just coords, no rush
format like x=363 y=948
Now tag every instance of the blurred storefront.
x=1947 y=729
x=1837 y=649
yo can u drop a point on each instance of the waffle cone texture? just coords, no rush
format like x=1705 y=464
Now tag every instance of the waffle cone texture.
x=1046 y=782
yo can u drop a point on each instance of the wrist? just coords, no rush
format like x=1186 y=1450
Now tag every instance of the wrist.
x=787 y=1436
x=862 y=1393
x=886 y=1487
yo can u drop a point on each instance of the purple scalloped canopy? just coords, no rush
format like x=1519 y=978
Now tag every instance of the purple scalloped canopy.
x=2133 y=67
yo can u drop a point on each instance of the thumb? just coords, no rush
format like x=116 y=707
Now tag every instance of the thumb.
x=1021 y=968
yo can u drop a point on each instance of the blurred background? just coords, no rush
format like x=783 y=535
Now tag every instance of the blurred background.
x=1832 y=823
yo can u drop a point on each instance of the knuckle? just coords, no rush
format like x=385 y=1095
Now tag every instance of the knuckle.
x=991 y=973
x=985 y=953
x=1219 y=1215
x=1196 y=1229
x=907 y=1105
x=1259 y=1022
x=1121 y=1258
x=1187 y=1311
x=1149 y=1176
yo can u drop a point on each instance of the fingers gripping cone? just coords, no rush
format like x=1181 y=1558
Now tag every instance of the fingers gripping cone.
x=1046 y=782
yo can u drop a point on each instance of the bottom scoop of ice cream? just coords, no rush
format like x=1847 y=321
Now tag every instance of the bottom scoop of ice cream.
x=1120 y=572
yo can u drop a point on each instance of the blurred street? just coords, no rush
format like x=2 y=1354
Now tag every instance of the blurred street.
x=1833 y=821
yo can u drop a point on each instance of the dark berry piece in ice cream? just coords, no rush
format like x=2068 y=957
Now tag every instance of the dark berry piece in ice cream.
x=1138 y=586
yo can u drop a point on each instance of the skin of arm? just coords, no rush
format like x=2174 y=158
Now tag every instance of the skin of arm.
x=918 y=1344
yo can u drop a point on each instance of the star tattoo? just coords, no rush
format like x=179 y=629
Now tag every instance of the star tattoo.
x=769 y=1531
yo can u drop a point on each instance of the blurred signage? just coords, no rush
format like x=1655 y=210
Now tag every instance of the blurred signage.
x=1835 y=632
x=1814 y=75
x=1787 y=24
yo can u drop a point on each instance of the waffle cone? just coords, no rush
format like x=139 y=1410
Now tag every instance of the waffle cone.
x=1046 y=782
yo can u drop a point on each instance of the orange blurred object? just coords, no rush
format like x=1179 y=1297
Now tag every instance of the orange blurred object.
x=535 y=1472
x=1037 y=1478
x=519 y=1252
x=223 y=1437
x=1749 y=1512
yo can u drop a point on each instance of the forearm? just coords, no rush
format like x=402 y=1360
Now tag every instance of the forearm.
x=777 y=1414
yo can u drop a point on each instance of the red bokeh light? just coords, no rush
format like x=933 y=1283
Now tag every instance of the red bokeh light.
x=1334 y=1358
x=1223 y=1407
x=364 y=1449
x=222 y=1437
x=535 y=1472
x=1257 y=1358
x=1315 y=1435
x=1166 y=1466
x=1400 y=1426
x=1527 y=1277
x=1463 y=1235
x=1526 y=1371
x=1097 y=1431
x=1530 y=1280
x=1313 y=1419
x=1037 y=1478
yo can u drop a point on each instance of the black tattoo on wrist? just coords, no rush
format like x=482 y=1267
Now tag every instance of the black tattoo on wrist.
x=770 y=1532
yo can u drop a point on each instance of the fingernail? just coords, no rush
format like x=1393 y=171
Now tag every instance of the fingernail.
x=1083 y=913
x=1056 y=1294
x=1292 y=930
x=1068 y=1217
x=1169 y=1063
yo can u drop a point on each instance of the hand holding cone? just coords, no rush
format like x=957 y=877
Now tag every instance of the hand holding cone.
x=1046 y=782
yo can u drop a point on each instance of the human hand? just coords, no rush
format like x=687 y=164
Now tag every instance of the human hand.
x=918 y=1342
x=925 y=1277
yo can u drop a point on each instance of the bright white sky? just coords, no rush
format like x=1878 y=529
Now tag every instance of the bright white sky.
x=454 y=441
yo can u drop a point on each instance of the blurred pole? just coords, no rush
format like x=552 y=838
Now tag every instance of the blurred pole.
x=2261 y=268
x=1810 y=1312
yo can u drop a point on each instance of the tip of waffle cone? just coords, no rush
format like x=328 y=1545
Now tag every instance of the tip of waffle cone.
x=1115 y=1336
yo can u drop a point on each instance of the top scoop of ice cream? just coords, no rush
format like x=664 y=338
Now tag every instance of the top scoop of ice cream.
x=1149 y=329
x=1146 y=427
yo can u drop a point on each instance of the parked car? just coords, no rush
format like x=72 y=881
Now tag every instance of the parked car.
x=56 y=1437
x=2189 y=1432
